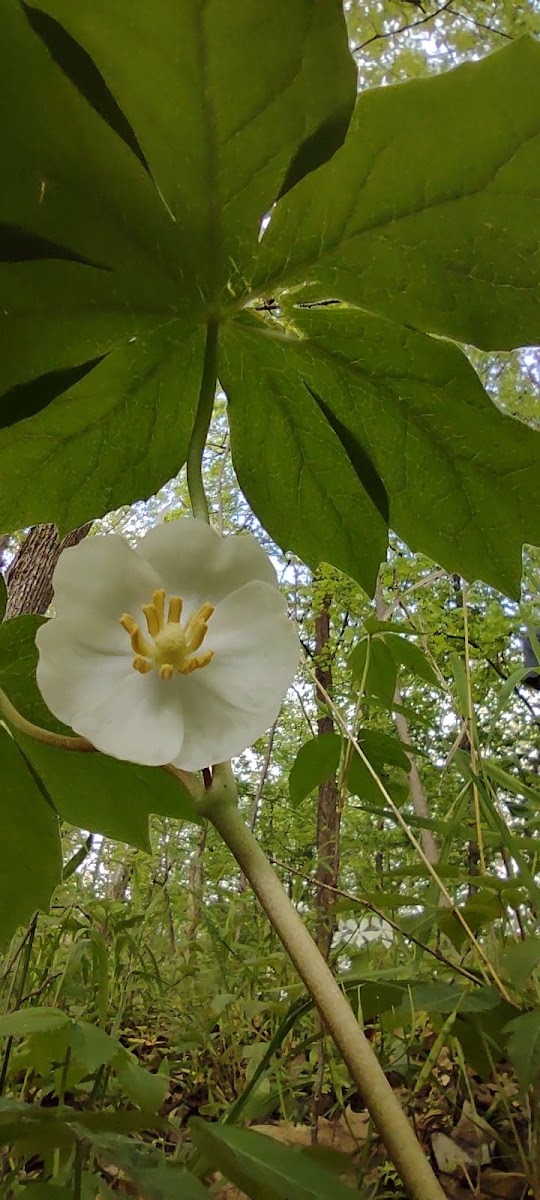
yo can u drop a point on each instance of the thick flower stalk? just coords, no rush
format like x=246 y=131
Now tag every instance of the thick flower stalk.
x=178 y=650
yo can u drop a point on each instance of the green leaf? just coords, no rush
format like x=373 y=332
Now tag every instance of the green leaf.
x=482 y=1038
x=511 y=783
x=154 y=1176
x=26 y=1021
x=461 y=478
x=44 y=1191
x=373 y=667
x=264 y=1168
x=382 y=749
x=129 y=212
x=116 y=435
x=145 y=1089
x=520 y=960
x=361 y=783
x=524 y=1046
x=41 y=1050
x=107 y=796
x=377 y=997
x=31 y=852
x=373 y=625
x=315 y=762
x=460 y=676
x=447 y=998
x=407 y=654
x=312 y=494
x=91 y=1046
x=244 y=135
x=428 y=215
x=18 y=662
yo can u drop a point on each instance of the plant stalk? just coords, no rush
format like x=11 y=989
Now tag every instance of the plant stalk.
x=203 y=416
x=220 y=807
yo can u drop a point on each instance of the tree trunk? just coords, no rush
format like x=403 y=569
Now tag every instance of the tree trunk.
x=194 y=891
x=29 y=579
x=328 y=806
x=328 y=828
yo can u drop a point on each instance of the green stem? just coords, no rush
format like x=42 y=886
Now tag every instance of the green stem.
x=387 y=1114
x=62 y=741
x=203 y=416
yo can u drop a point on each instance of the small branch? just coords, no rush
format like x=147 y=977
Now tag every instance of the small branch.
x=264 y=773
x=404 y=28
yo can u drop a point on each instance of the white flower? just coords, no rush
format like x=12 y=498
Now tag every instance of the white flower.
x=179 y=650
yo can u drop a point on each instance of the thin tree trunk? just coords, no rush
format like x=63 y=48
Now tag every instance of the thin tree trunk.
x=328 y=829
x=29 y=579
x=194 y=889
x=328 y=805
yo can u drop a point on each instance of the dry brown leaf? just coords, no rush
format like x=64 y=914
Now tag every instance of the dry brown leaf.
x=471 y=1129
x=452 y=1158
x=506 y=1185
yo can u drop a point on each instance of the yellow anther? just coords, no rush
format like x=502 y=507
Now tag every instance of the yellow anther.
x=176 y=605
x=152 y=620
x=172 y=647
x=198 y=660
x=158 y=601
x=197 y=627
x=139 y=644
x=128 y=623
x=142 y=664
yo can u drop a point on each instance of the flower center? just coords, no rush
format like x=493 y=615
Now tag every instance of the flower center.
x=171 y=647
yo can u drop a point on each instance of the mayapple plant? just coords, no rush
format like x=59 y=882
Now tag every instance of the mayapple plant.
x=193 y=192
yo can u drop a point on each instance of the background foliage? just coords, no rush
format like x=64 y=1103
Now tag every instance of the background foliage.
x=152 y=991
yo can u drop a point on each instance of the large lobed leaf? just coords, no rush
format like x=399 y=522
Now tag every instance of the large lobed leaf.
x=116 y=239
x=142 y=152
x=429 y=213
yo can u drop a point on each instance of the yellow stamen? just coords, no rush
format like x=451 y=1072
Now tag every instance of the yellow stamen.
x=176 y=605
x=158 y=601
x=142 y=664
x=128 y=623
x=198 y=660
x=205 y=611
x=139 y=644
x=197 y=627
x=152 y=620
x=172 y=647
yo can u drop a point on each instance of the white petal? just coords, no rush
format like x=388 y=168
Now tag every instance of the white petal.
x=234 y=700
x=71 y=674
x=256 y=649
x=214 y=730
x=196 y=563
x=123 y=713
x=139 y=720
x=100 y=579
